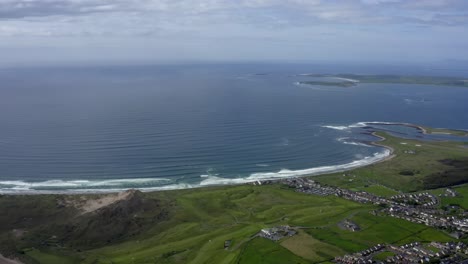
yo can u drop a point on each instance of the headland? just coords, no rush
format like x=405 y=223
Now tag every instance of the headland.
x=349 y=80
x=373 y=209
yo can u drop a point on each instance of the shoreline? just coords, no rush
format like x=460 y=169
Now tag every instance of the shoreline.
x=376 y=143
x=213 y=181
x=418 y=127
x=424 y=130
x=231 y=182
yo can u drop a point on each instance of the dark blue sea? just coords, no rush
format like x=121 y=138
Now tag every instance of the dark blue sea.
x=107 y=128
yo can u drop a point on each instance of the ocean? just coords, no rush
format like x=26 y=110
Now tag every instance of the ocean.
x=158 y=127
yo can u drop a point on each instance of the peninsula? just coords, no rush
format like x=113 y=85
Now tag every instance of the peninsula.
x=348 y=80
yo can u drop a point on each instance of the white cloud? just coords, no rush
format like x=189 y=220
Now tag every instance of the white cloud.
x=244 y=27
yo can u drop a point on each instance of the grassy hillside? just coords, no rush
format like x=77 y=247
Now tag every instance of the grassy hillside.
x=191 y=226
x=201 y=220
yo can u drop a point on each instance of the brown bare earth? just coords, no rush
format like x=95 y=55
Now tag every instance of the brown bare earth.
x=91 y=205
x=107 y=218
x=4 y=260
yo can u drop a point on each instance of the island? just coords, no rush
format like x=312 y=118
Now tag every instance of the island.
x=411 y=207
x=348 y=80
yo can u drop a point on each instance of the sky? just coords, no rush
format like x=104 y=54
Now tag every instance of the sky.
x=162 y=31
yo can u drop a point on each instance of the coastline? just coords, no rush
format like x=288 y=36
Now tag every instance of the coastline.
x=209 y=218
x=25 y=188
x=348 y=79
x=376 y=143
x=235 y=181
x=425 y=130
x=418 y=127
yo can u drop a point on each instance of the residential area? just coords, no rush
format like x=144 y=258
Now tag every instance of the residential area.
x=422 y=208
x=415 y=252
x=419 y=208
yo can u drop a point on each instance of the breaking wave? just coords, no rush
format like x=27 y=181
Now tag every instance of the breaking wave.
x=285 y=173
x=157 y=184
x=337 y=127
x=346 y=79
x=53 y=186
x=364 y=124
x=346 y=141
x=355 y=125
x=209 y=178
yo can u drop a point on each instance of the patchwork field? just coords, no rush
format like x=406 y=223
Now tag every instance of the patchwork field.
x=219 y=224
x=200 y=221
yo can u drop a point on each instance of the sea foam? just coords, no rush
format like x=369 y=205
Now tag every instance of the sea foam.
x=346 y=141
x=208 y=179
x=286 y=173
x=337 y=127
x=78 y=185
x=148 y=184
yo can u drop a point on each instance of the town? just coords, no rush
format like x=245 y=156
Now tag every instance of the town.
x=422 y=208
x=415 y=252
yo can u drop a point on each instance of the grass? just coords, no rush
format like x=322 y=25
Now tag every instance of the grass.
x=375 y=230
x=425 y=165
x=261 y=250
x=460 y=200
x=378 y=190
x=51 y=258
x=203 y=220
x=384 y=255
x=191 y=226
x=430 y=130
x=309 y=248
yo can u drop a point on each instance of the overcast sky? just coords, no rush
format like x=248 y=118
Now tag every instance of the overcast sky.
x=37 y=31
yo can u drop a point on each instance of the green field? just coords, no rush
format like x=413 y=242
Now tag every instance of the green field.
x=307 y=247
x=191 y=226
x=408 y=172
x=430 y=130
x=382 y=256
x=374 y=230
x=460 y=200
x=261 y=250
x=201 y=220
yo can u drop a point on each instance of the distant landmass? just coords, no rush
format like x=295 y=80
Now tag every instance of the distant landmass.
x=348 y=80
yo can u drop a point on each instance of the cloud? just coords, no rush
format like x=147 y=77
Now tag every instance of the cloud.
x=40 y=8
x=247 y=27
x=169 y=17
x=31 y=8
